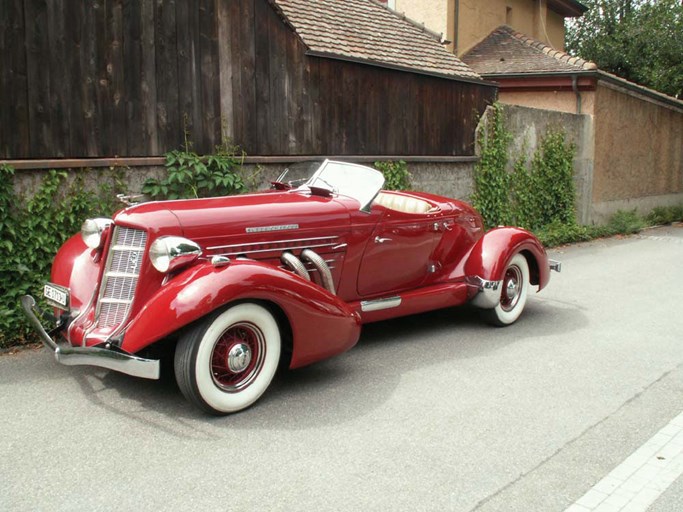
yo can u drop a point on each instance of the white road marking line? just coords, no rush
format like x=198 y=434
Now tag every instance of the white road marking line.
x=645 y=474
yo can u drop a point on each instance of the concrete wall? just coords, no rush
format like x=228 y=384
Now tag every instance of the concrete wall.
x=638 y=152
x=450 y=179
x=529 y=125
x=560 y=101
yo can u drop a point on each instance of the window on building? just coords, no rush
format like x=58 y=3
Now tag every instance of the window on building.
x=389 y=3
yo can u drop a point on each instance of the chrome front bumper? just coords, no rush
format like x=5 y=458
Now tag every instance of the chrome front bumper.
x=92 y=356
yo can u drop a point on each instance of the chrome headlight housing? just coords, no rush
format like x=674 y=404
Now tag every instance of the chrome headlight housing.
x=92 y=229
x=168 y=253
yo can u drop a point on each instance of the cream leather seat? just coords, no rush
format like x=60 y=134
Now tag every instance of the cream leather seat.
x=403 y=203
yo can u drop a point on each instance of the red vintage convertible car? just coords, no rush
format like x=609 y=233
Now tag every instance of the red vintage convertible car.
x=241 y=284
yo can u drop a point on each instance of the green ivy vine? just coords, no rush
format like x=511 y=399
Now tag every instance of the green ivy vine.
x=32 y=230
x=536 y=192
x=396 y=175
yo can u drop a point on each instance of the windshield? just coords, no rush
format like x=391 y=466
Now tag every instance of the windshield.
x=356 y=181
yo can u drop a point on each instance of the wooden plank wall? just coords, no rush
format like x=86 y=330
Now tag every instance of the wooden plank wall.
x=107 y=77
x=110 y=78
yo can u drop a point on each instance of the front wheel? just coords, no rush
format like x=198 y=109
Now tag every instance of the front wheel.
x=225 y=363
x=513 y=294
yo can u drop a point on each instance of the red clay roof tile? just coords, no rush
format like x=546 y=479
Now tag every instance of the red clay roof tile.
x=368 y=31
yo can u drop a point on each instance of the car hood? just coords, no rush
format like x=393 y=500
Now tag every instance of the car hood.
x=223 y=220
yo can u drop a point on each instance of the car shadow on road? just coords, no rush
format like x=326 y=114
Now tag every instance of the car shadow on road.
x=340 y=389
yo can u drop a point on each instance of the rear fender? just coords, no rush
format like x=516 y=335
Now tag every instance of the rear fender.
x=490 y=255
x=322 y=325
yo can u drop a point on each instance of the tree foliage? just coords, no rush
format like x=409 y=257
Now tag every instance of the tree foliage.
x=639 y=40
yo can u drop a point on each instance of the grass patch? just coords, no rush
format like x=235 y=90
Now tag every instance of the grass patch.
x=623 y=222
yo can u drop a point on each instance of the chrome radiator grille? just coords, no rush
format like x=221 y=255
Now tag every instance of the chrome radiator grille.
x=126 y=253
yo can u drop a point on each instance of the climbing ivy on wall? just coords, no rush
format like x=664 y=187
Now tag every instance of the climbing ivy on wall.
x=531 y=191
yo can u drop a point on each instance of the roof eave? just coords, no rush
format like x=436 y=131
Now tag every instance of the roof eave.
x=567 y=8
x=596 y=74
x=397 y=67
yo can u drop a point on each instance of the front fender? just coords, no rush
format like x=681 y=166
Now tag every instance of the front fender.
x=322 y=324
x=490 y=255
x=75 y=268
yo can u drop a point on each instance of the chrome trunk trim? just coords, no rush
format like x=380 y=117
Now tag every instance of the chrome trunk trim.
x=379 y=304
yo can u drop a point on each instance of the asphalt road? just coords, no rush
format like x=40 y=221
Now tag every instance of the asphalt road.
x=432 y=412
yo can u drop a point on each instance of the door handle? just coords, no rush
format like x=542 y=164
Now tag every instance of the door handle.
x=380 y=240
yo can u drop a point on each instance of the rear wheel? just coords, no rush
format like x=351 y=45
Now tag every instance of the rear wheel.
x=227 y=361
x=513 y=294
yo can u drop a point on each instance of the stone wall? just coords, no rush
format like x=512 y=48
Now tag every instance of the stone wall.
x=529 y=125
x=638 y=152
x=451 y=178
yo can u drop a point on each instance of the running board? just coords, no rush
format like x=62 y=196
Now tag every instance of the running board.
x=415 y=301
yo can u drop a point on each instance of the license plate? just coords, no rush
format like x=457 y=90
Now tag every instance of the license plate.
x=57 y=296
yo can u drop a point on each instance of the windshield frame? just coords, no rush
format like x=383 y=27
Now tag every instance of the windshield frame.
x=358 y=182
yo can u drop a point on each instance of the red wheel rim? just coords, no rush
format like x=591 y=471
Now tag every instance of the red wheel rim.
x=512 y=288
x=237 y=357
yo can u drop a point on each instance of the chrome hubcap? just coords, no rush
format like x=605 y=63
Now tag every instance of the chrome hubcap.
x=512 y=287
x=511 y=290
x=239 y=358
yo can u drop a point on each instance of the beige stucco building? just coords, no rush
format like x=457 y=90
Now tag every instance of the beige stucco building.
x=466 y=22
x=636 y=134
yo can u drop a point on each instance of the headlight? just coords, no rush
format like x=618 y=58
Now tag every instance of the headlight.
x=92 y=230
x=170 y=252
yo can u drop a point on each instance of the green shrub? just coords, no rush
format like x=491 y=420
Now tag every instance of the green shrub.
x=396 y=175
x=625 y=223
x=189 y=175
x=492 y=194
x=665 y=215
x=32 y=230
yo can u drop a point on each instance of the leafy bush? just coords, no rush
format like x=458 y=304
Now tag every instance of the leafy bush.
x=492 y=195
x=190 y=175
x=538 y=191
x=545 y=192
x=665 y=215
x=396 y=175
x=32 y=230
x=625 y=223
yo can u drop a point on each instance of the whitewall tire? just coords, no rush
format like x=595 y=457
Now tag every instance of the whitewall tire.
x=226 y=362
x=513 y=294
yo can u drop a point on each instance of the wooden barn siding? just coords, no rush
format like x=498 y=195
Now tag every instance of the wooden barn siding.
x=121 y=78
x=107 y=77
x=304 y=105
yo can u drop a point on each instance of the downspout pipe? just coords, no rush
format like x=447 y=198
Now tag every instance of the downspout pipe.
x=456 y=28
x=575 y=88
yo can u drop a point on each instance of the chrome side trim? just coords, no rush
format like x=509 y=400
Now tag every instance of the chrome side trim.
x=289 y=248
x=266 y=229
x=379 y=304
x=295 y=264
x=488 y=296
x=93 y=356
x=555 y=265
x=289 y=241
x=319 y=263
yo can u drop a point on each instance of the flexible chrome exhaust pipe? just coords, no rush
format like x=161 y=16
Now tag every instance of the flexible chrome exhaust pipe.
x=319 y=263
x=295 y=265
